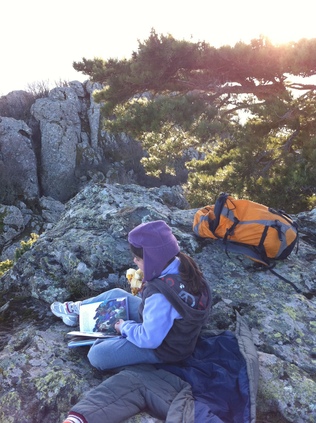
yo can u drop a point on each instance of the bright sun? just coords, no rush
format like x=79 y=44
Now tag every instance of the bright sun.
x=245 y=20
x=282 y=23
x=285 y=35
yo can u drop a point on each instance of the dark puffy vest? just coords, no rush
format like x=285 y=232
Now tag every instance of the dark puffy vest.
x=194 y=309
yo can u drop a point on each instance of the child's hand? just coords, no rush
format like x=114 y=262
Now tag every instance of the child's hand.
x=118 y=324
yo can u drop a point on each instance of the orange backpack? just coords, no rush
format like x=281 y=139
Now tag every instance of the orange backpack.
x=243 y=226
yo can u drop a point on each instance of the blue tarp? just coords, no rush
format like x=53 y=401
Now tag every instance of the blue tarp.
x=217 y=372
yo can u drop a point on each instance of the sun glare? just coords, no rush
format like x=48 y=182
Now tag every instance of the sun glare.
x=282 y=24
x=245 y=20
x=286 y=35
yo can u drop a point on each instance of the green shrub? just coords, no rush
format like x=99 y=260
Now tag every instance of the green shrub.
x=5 y=265
x=25 y=246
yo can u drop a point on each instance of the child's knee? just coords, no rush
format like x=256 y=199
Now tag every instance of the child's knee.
x=94 y=358
x=118 y=292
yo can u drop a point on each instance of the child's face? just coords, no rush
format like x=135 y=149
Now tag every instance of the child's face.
x=139 y=262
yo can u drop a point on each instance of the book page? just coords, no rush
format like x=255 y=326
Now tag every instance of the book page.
x=102 y=316
x=90 y=335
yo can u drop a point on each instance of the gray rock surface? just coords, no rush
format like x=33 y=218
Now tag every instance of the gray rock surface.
x=60 y=127
x=18 y=222
x=16 y=104
x=18 y=165
x=85 y=252
x=12 y=223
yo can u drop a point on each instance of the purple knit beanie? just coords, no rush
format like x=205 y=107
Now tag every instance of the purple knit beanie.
x=159 y=246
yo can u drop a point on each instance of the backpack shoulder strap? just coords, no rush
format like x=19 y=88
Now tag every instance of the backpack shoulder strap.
x=218 y=208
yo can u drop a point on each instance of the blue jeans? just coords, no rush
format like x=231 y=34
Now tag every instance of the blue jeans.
x=110 y=353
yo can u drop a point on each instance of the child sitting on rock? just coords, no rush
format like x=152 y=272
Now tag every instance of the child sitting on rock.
x=167 y=317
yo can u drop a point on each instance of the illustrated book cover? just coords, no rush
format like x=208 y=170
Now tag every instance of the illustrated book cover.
x=97 y=320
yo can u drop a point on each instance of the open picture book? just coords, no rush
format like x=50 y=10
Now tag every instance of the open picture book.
x=97 y=320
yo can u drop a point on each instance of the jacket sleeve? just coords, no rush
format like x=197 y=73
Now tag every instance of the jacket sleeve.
x=162 y=394
x=149 y=334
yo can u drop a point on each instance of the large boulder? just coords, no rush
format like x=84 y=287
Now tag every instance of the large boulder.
x=18 y=165
x=86 y=252
x=16 y=104
x=60 y=128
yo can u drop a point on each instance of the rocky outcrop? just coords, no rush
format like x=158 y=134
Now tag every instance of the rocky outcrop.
x=51 y=146
x=86 y=252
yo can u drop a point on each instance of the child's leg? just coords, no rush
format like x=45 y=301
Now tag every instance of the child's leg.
x=116 y=352
x=133 y=301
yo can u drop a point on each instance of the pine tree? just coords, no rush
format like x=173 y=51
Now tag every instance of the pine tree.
x=230 y=114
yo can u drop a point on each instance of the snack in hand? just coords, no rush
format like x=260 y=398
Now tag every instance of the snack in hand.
x=135 y=279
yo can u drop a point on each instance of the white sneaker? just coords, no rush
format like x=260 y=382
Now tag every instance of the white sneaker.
x=68 y=312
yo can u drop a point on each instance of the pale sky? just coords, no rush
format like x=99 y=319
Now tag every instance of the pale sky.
x=40 y=39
